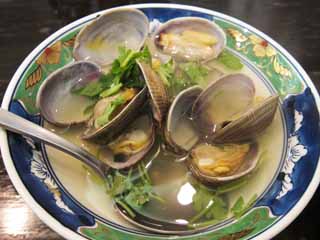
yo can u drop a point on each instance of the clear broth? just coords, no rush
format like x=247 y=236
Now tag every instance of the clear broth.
x=175 y=188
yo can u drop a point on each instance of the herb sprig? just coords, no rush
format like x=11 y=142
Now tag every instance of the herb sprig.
x=123 y=73
x=230 y=61
x=211 y=205
x=131 y=193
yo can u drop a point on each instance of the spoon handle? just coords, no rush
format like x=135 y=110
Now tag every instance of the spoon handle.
x=19 y=125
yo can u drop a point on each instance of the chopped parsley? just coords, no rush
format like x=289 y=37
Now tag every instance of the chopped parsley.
x=230 y=61
x=105 y=117
x=130 y=193
x=124 y=72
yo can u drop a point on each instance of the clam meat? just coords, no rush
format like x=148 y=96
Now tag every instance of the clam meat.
x=131 y=145
x=190 y=39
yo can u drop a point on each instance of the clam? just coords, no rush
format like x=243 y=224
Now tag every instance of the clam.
x=99 y=40
x=226 y=111
x=190 y=39
x=131 y=145
x=216 y=164
x=100 y=130
x=179 y=130
x=157 y=91
x=54 y=99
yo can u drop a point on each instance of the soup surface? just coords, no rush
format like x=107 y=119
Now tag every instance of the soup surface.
x=175 y=187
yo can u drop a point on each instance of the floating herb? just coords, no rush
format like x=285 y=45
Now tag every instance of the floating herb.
x=129 y=193
x=165 y=71
x=195 y=71
x=230 y=61
x=239 y=207
x=105 y=117
x=208 y=204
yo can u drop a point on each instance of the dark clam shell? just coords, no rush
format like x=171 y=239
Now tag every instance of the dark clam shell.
x=109 y=131
x=249 y=125
x=157 y=91
x=179 y=122
x=221 y=101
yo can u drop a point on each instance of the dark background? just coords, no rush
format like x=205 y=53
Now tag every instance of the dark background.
x=295 y=24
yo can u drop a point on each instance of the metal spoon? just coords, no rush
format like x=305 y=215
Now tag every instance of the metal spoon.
x=17 y=124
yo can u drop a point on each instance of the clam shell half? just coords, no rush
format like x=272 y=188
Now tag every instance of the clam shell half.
x=99 y=40
x=57 y=104
x=180 y=131
x=250 y=125
x=157 y=91
x=110 y=130
x=247 y=162
x=124 y=143
x=190 y=39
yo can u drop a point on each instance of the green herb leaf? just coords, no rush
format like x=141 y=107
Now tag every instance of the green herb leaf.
x=124 y=70
x=105 y=117
x=195 y=71
x=145 y=55
x=201 y=199
x=89 y=109
x=128 y=193
x=230 y=61
x=118 y=184
x=166 y=71
x=134 y=79
x=208 y=204
x=111 y=91
x=239 y=208
x=139 y=195
x=218 y=210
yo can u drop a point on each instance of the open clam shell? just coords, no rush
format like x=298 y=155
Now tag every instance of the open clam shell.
x=110 y=130
x=157 y=91
x=179 y=131
x=223 y=101
x=249 y=125
x=190 y=39
x=131 y=145
x=55 y=100
x=224 y=163
x=99 y=40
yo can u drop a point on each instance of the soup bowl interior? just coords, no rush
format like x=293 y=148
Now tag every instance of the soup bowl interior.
x=72 y=199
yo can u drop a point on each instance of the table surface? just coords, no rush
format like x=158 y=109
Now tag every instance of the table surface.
x=295 y=24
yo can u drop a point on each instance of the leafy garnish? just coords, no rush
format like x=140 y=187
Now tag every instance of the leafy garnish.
x=123 y=71
x=185 y=75
x=166 y=71
x=195 y=71
x=229 y=60
x=130 y=193
x=111 y=91
x=105 y=117
x=139 y=195
x=133 y=78
x=208 y=204
x=89 y=109
x=239 y=207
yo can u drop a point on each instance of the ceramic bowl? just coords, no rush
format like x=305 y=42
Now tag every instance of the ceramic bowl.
x=74 y=207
